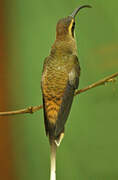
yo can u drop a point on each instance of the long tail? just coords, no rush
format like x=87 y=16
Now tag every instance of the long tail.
x=53 y=148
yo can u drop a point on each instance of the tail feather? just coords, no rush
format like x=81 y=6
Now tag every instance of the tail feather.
x=53 y=148
x=58 y=141
x=54 y=143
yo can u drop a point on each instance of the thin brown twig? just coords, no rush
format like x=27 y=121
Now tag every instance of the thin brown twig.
x=33 y=109
x=98 y=83
x=30 y=110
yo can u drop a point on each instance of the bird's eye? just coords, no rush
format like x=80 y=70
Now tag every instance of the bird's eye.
x=73 y=27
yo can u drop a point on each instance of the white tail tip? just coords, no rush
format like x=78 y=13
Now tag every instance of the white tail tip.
x=58 y=141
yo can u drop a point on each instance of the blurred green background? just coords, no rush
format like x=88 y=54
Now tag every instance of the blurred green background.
x=89 y=150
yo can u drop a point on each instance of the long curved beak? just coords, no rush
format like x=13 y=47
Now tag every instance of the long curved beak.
x=78 y=9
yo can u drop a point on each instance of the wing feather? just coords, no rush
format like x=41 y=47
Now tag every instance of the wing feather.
x=72 y=84
x=57 y=108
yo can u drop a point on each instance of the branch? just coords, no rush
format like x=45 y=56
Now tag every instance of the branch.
x=33 y=109
x=107 y=79
x=30 y=110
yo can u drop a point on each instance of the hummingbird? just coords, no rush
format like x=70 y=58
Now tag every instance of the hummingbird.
x=60 y=79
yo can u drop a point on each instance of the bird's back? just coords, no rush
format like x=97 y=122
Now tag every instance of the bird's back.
x=57 y=92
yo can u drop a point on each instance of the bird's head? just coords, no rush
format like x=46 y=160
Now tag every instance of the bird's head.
x=66 y=26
